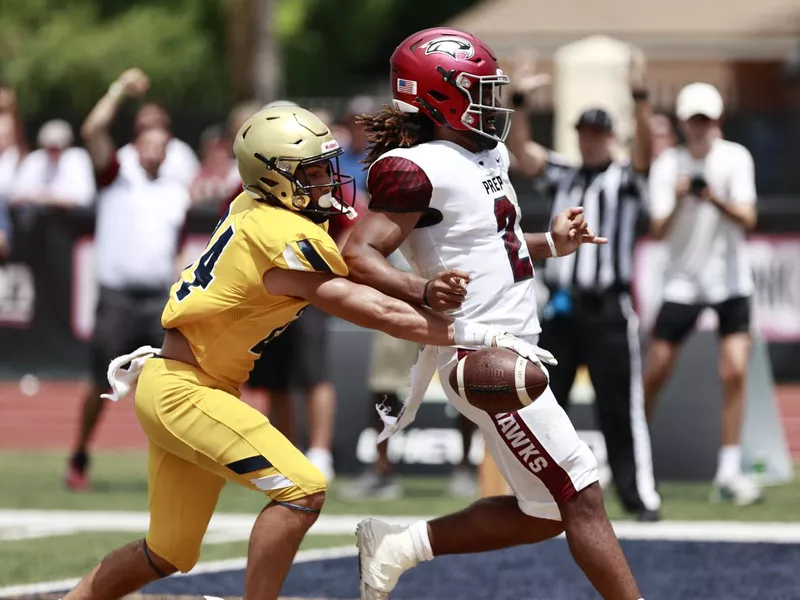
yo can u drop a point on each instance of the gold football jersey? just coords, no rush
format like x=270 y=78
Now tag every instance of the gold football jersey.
x=220 y=304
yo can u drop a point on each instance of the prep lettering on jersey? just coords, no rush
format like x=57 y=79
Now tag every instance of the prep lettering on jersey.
x=493 y=185
x=519 y=442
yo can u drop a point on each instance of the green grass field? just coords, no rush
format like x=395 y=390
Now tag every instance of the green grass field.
x=32 y=480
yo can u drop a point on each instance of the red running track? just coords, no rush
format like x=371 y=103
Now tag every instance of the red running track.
x=48 y=418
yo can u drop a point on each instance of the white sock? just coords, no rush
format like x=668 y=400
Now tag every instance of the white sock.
x=421 y=541
x=729 y=463
x=321 y=452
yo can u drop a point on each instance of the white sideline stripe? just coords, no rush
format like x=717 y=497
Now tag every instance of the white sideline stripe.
x=33 y=524
x=217 y=566
x=699 y=531
x=89 y=521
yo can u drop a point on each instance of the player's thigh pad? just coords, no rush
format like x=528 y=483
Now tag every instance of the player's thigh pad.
x=185 y=412
x=536 y=448
x=183 y=496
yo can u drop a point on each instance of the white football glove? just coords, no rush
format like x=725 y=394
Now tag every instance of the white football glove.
x=468 y=334
x=536 y=355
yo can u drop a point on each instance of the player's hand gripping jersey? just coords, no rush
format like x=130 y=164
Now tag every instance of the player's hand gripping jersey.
x=220 y=303
x=471 y=223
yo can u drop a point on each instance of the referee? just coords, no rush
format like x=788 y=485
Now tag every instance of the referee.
x=589 y=318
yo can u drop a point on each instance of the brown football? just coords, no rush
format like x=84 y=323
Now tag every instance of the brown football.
x=497 y=380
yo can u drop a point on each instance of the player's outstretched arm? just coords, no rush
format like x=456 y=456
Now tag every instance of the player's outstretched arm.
x=363 y=306
x=367 y=307
x=375 y=237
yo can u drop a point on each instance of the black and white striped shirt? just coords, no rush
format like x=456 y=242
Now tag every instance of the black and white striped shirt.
x=613 y=199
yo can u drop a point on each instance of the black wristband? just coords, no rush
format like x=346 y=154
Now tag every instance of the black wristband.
x=425 y=293
x=518 y=99
x=640 y=94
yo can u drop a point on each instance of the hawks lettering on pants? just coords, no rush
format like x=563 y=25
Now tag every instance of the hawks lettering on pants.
x=533 y=455
x=520 y=443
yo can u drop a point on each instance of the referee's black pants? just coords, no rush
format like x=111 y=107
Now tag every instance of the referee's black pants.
x=601 y=331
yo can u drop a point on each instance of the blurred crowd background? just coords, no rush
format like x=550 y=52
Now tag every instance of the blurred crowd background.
x=210 y=64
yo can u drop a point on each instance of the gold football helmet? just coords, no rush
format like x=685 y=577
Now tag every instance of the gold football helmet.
x=275 y=146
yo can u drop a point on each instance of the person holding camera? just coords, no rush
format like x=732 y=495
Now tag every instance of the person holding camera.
x=703 y=201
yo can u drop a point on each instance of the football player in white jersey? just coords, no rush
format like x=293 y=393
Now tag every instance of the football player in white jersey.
x=440 y=193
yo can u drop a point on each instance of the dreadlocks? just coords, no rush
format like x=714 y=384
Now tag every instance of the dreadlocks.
x=391 y=128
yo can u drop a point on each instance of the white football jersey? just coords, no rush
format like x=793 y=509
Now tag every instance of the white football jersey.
x=471 y=224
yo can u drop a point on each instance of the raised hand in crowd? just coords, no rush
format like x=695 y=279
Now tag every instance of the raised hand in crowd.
x=642 y=154
x=523 y=74
x=94 y=130
x=530 y=157
x=133 y=83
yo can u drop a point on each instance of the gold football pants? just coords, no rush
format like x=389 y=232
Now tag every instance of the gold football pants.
x=200 y=435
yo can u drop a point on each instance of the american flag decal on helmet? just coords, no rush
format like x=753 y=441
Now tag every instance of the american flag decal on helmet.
x=406 y=86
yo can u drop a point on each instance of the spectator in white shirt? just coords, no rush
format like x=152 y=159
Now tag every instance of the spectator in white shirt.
x=57 y=173
x=703 y=201
x=181 y=163
x=9 y=161
x=12 y=150
x=140 y=215
x=10 y=156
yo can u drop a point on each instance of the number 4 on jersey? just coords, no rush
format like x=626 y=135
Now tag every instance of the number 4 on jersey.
x=204 y=271
x=506 y=214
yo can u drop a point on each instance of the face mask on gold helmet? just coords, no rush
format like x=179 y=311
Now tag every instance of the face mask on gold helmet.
x=275 y=146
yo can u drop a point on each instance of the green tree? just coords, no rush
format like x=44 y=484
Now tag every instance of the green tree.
x=333 y=47
x=61 y=55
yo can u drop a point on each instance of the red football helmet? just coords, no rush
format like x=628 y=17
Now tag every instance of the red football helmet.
x=453 y=78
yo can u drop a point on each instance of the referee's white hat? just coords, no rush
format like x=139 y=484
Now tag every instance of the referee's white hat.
x=699 y=99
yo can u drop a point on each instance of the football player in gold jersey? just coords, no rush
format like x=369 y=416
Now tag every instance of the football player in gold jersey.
x=268 y=258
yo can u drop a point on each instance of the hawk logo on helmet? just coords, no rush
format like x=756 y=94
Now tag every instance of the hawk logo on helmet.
x=457 y=47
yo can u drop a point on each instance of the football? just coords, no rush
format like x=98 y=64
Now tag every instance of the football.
x=497 y=380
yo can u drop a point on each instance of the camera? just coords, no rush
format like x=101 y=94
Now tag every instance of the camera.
x=697 y=185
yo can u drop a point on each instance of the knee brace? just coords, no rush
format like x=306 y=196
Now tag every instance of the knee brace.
x=153 y=565
x=297 y=507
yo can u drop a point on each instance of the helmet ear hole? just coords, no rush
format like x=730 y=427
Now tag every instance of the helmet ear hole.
x=438 y=96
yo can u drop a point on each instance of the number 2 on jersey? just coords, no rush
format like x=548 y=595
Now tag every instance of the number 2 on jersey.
x=204 y=271
x=506 y=214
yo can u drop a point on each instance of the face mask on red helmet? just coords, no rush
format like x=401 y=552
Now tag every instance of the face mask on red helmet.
x=453 y=78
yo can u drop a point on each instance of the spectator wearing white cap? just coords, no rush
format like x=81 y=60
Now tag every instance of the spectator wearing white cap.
x=57 y=173
x=703 y=201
